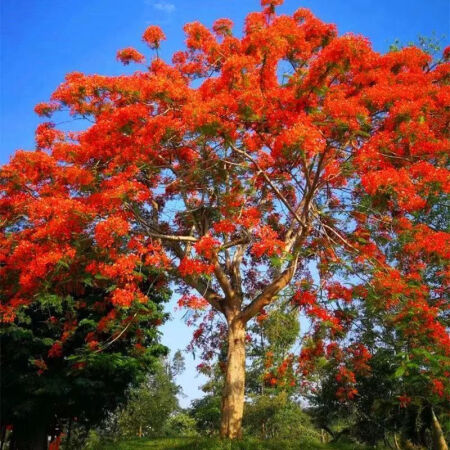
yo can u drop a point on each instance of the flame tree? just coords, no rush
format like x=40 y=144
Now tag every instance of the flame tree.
x=248 y=161
x=68 y=351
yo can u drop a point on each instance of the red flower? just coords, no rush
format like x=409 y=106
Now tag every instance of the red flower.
x=106 y=231
x=446 y=53
x=438 y=387
x=153 y=35
x=222 y=27
x=268 y=244
x=197 y=333
x=192 y=301
x=41 y=365
x=56 y=350
x=93 y=345
x=271 y=2
x=55 y=444
x=262 y=316
x=130 y=54
x=194 y=267
x=304 y=298
x=404 y=400
x=224 y=226
x=122 y=297
x=206 y=245
x=46 y=108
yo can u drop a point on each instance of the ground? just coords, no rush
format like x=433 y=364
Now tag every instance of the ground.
x=216 y=444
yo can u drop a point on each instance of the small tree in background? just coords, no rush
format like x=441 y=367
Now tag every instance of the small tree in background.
x=152 y=403
x=61 y=367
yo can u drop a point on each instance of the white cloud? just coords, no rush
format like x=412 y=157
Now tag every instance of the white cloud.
x=164 y=6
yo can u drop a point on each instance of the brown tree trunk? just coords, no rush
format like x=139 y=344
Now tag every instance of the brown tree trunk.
x=438 y=435
x=396 y=444
x=233 y=394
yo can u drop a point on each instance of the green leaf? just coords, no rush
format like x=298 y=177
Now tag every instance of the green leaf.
x=47 y=341
x=276 y=261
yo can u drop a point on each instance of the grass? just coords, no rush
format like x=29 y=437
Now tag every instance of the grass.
x=196 y=443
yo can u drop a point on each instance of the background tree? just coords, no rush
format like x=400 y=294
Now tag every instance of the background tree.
x=69 y=351
x=265 y=177
x=405 y=387
x=206 y=413
x=152 y=403
x=51 y=375
x=272 y=409
x=405 y=384
x=274 y=336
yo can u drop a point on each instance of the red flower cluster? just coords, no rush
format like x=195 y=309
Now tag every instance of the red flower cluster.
x=130 y=54
x=153 y=35
x=192 y=301
x=194 y=267
x=56 y=350
x=206 y=246
x=268 y=244
x=107 y=231
x=347 y=379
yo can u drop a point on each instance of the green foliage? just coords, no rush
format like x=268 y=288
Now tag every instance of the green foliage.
x=281 y=330
x=276 y=416
x=150 y=405
x=206 y=412
x=276 y=335
x=249 y=443
x=429 y=44
x=81 y=383
x=180 y=424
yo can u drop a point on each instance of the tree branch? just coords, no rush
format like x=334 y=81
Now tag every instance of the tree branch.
x=269 y=293
x=269 y=182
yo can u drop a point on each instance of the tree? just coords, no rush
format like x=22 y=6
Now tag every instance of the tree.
x=271 y=351
x=69 y=349
x=206 y=413
x=404 y=388
x=273 y=409
x=68 y=354
x=277 y=416
x=152 y=403
x=52 y=377
x=251 y=166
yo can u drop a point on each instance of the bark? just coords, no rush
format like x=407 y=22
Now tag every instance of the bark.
x=69 y=432
x=3 y=437
x=397 y=446
x=233 y=394
x=438 y=435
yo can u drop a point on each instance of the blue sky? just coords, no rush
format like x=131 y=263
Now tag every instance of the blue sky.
x=42 y=40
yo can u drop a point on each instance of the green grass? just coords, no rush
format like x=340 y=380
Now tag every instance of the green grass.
x=196 y=443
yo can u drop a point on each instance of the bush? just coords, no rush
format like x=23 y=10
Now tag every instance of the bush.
x=276 y=416
x=180 y=424
x=206 y=412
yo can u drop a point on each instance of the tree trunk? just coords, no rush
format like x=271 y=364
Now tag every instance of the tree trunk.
x=397 y=446
x=233 y=394
x=438 y=435
x=3 y=437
